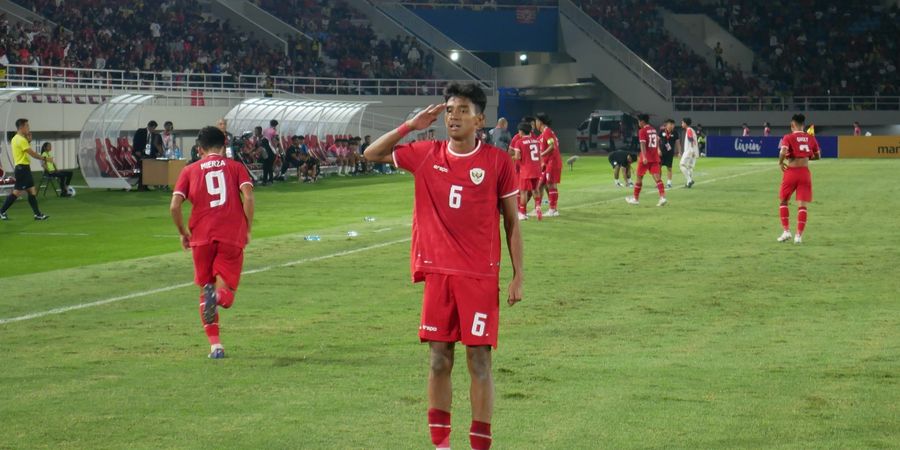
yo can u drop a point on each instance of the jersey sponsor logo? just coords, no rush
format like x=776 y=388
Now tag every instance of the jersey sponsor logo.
x=477 y=175
x=441 y=169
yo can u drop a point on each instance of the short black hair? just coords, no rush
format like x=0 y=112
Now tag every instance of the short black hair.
x=744 y=124
x=469 y=91
x=273 y=123
x=152 y=124
x=525 y=127
x=257 y=128
x=20 y=122
x=672 y=121
x=544 y=118
x=211 y=137
x=301 y=137
x=799 y=118
x=767 y=124
x=295 y=137
x=644 y=117
x=168 y=122
x=687 y=120
x=528 y=119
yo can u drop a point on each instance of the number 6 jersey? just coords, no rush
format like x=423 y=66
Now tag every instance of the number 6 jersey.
x=213 y=186
x=456 y=217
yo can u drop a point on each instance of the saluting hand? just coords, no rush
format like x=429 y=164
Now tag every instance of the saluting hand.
x=425 y=117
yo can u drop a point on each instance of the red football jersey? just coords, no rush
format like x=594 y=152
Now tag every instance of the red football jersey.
x=648 y=136
x=549 y=137
x=529 y=157
x=800 y=145
x=512 y=144
x=456 y=218
x=213 y=186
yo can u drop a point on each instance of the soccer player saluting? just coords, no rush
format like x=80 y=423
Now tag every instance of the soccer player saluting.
x=21 y=150
x=527 y=152
x=219 y=227
x=551 y=161
x=459 y=185
x=670 y=141
x=690 y=152
x=648 y=160
x=797 y=148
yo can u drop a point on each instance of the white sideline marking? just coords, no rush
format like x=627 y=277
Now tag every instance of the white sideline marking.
x=382 y=230
x=66 y=309
x=618 y=199
x=25 y=233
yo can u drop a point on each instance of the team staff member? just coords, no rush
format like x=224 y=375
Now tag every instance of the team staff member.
x=21 y=150
x=622 y=159
x=65 y=176
x=670 y=142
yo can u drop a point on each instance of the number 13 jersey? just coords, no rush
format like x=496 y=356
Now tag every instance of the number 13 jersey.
x=456 y=216
x=213 y=186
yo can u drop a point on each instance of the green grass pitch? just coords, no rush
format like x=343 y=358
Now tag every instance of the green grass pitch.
x=685 y=326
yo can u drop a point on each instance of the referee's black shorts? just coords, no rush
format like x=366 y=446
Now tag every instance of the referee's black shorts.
x=666 y=159
x=24 y=180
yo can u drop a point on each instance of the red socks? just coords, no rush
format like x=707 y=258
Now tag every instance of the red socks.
x=801 y=220
x=785 y=217
x=661 y=188
x=439 y=424
x=480 y=435
x=211 y=329
x=522 y=206
x=224 y=297
x=637 y=191
x=554 y=198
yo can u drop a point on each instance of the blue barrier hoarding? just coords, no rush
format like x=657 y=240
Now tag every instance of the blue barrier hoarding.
x=760 y=147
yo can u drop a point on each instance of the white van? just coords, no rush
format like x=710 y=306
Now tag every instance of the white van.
x=606 y=131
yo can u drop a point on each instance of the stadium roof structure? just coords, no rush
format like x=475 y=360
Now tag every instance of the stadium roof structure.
x=99 y=153
x=297 y=117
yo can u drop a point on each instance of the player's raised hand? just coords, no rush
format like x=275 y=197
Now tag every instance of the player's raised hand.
x=426 y=117
x=515 y=291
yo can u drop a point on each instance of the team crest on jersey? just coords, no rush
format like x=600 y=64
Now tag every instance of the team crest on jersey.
x=477 y=175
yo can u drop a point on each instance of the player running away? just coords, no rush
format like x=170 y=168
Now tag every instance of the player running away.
x=797 y=149
x=648 y=160
x=551 y=161
x=527 y=152
x=456 y=248
x=219 y=227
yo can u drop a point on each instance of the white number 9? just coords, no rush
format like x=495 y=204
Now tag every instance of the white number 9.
x=215 y=186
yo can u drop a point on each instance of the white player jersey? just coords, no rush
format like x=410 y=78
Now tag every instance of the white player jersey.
x=690 y=144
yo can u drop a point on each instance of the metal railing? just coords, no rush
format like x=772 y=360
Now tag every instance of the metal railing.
x=118 y=80
x=617 y=49
x=796 y=103
x=498 y=6
x=438 y=41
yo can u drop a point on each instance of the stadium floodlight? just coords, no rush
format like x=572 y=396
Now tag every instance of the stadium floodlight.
x=523 y=57
x=454 y=56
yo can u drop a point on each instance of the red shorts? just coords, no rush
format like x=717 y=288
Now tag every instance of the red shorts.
x=457 y=308
x=552 y=172
x=799 y=180
x=652 y=167
x=529 y=184
x=218 y=259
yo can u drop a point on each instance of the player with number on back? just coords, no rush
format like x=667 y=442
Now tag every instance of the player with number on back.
x=551 y=161
x=527 y=153
x=648 y=160
x=797 y=149
x=219 y=227
x=459 y=185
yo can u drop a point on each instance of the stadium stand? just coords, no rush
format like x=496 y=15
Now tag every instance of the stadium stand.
x=854 y=43
x=638 y=25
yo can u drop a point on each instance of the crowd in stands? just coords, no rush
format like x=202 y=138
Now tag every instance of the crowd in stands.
x=815 y=48
x=478 y=4
x=345 y=36
x=174 y=36
x=639 y=26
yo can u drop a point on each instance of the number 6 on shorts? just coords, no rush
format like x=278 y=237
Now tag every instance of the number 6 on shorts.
x=478 y=324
